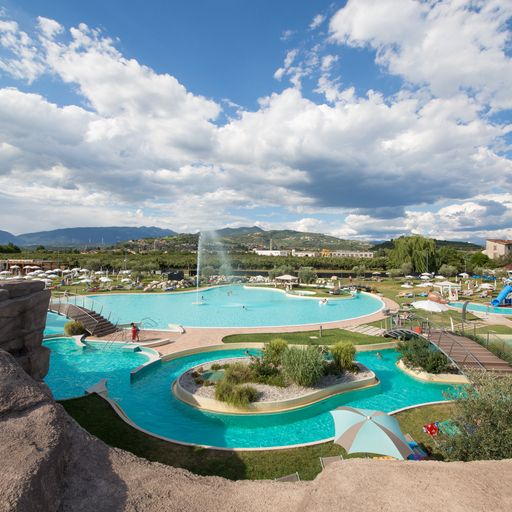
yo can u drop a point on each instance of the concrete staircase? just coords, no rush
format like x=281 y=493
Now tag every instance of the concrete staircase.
x=94 y=323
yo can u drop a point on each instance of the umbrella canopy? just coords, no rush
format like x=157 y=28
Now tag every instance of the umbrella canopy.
x=105 y=279
x=465 y=275
x=369 y=431
x=425 y=277
x=429 y=305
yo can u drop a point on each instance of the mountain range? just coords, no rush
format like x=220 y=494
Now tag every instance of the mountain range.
x=235 y=239
x=81 y=237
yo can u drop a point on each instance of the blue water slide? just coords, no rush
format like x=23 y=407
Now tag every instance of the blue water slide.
x=502 y=296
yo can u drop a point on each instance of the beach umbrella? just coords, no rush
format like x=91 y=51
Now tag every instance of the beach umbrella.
x=369 y=431
x=85 y=280
x=429 y=305
x=425 y=278
x=464 y=275
x=409 y=277
x=83 y=270
x=105 y=279
x=5 y=273
x=439 y=277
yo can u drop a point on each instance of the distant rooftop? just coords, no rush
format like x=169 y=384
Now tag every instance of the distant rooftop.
x=500 y=241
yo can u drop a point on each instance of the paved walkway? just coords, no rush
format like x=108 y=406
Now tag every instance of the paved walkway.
x=204 y=337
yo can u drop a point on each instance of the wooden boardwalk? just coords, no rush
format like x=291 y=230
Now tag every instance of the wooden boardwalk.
x=468 y=354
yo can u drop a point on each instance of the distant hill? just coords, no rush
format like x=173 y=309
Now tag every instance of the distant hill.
x=460 y=246
x=289 y=239
x=79 y=237
x=6 y=237
x=248 y=238
x=229 y=232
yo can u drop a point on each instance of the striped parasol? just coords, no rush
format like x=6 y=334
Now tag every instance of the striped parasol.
x=368 y=431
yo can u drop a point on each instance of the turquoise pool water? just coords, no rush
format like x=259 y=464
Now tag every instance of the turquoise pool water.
x=73 y=369
x=483 y=308
x=54 y=324
x=149 y=402
x=233 y=306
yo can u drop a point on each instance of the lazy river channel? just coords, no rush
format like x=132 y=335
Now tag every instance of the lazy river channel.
x=148 y=400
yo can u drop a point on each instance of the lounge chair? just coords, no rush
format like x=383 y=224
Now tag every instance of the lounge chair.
x=325 y=461
x=294 y=477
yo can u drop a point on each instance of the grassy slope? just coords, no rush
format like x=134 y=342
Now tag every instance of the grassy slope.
x=329 y=337
x=96 y=416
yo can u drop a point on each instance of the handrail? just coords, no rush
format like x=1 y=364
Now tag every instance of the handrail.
x=431 y=329
x=67 y=307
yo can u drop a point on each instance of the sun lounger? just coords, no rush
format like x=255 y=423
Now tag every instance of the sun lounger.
x=325 y=461
x=294 y=477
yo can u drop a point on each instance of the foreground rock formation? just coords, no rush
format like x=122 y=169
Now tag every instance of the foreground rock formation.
x=49 y=463
x=23 y=307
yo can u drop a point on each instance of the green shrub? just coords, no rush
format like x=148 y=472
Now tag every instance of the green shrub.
x=274 y=350
x=343 y=354
x=419 y=353
x=238 y=373
x=235 y=394
x=483 y=419
x=199 y=381
x=303 y=366
x=74 y=328
x=215 y=366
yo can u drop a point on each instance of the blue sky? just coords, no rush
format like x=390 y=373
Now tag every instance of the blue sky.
x=351 y=118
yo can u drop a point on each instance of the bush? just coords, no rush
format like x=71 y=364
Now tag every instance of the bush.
x=419 y=353
x=235 y=394
x=305 y=367
x=343 y=354
x=274 y=350
x=483 y=417
x=238 y=373
x=74 y=328
x=215 y=366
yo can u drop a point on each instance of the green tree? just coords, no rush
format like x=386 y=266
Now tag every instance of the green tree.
x=307 y=275
x=448 y=270
x=280 y=271
x=406 y=268
x=483 y=419
x=417 y=250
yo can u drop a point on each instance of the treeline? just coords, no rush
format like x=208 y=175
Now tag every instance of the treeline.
x=408 y=255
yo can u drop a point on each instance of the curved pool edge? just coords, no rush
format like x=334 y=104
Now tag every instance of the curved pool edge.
x=123 y=416
x=277 y=406
x=262 y=327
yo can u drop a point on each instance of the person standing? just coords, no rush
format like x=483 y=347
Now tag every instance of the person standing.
x=135 y=332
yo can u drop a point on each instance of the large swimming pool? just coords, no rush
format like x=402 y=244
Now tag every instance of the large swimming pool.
x=149 y=402
x=231 y=306
x=483 y=308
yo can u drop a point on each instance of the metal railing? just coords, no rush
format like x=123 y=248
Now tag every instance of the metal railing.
x=75 y=312
x=444 y=340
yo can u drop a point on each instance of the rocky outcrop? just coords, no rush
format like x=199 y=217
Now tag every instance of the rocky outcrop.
x=49 y=463
x=23 y=308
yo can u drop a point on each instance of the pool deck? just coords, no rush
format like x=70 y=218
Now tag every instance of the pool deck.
x=205 y=337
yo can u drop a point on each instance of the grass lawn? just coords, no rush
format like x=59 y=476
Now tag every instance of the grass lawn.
x=329 y=337
x=496 y=329
x=97 y=417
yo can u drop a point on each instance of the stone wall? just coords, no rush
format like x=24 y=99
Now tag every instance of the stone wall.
x=23 y=308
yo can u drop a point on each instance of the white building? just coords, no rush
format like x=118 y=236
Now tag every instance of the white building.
x=496 y=248
x=351 y=254
x=271 y=252
x=305 y=254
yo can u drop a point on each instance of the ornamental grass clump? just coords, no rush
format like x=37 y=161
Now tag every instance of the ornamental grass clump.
x=304 y=367
x=343 y=354
x=238 y=373
x=74 y=328
x=237 y=395
x=274 y=351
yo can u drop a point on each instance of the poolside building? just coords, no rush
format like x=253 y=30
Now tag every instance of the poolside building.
x=351 y=254
x=497 y=248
